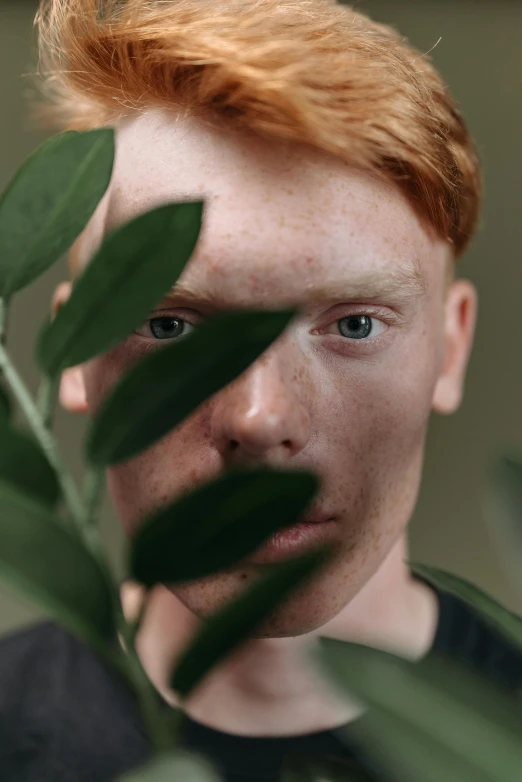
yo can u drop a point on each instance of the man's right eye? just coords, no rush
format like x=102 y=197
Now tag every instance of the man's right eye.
x=164 y=327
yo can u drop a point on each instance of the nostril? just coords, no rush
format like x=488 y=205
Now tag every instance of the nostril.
x=287 y=443
x=234 y=445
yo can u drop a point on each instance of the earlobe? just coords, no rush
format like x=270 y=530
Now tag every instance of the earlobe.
x=459 y=331
x=72 y=391
x=60 y=296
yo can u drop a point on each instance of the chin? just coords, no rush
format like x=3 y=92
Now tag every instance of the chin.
x=305 y=610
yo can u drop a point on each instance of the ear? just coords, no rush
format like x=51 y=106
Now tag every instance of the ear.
x=72 y=386
x=459 y=331
x=132 y=596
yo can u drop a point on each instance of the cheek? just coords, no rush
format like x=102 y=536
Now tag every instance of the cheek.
x=379 y=409
x=372 y=426
x=162 y=473
x=101 y=375
x=154 y=477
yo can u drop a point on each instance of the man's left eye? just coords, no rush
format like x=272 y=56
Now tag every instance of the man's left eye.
x=360 y=326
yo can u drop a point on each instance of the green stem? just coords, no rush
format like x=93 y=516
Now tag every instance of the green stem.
x=47 y=396
x=43 y=435
x=93 y=494
x=159 y=725
x=4 y=309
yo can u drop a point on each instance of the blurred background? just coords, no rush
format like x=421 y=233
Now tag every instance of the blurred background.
x=477 y=50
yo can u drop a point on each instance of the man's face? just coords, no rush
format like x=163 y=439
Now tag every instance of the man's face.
x=348 y=388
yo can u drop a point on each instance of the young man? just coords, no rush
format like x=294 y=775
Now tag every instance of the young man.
x=339 y=176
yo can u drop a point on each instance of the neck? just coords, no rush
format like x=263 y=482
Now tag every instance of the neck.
x=270 y=683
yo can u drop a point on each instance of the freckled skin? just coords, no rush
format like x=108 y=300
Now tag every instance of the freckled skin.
x=280 y=221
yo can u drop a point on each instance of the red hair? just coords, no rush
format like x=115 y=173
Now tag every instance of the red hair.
x=307 y=71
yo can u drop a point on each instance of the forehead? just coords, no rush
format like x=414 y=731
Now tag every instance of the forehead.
x=273 y=210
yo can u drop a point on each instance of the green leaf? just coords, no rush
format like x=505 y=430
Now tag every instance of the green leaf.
x=459 y=713
x=215 y=526
x=315 y=768
x=237 y=621
x=507 y=477
x=397 y=745
x=169 y=384
x=49 y=565
x=503 y=514
x=134 y=268
x=494 y=614
x=5 y=406
x=178 y=766
x=25 y=466
x=50 y=201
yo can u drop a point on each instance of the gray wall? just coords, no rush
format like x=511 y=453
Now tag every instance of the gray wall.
x=479 y=57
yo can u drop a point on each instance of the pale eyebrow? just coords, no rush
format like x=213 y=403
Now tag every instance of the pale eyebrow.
x=396 y=283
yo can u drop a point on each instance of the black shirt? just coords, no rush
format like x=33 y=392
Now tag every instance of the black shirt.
x=65 y=717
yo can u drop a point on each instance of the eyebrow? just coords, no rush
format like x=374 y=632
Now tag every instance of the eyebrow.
x=398 y=282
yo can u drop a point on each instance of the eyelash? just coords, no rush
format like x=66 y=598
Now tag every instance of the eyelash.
x=383 y=316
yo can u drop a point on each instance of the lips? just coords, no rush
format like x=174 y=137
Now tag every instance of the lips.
x=304 y=535
x=319 y=518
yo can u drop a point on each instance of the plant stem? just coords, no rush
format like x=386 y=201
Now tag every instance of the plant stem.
x=47 y=394
x=39 y=416
x=159 y=725
x=93 y=494
x=4 y=308
x=43 y=435
x=4 y=318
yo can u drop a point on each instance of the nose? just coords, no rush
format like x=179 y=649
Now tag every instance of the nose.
x=259 y=416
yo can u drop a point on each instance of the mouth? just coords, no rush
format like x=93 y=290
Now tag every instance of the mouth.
x=300 y=537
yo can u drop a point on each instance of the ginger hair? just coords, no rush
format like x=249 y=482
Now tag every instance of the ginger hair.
x=310 y=71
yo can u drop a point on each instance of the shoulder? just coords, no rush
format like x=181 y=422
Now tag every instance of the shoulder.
x=26 y=664
x=466 y=636
x=26 y=672
x=40 y=659
x=55 y=695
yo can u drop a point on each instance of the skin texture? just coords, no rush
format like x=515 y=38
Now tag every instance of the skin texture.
x=290 y=225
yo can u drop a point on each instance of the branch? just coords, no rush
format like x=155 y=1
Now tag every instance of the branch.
x=43 y=435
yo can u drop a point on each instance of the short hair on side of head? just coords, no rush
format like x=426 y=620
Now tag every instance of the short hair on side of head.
x=309 y=71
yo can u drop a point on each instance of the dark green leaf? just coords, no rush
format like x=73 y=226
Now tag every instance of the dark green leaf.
x=495 y=614
x=134 y=268
x=503 y=513
x=218 y=524
x=5 y=406
x=237 y=621
x=169 y=384
x=397 y=746
x=50 y=201
x=507 y=479
x=178 y=766
x=24 y=465
x=314 y=768
x=50 y=566
x=463 y=714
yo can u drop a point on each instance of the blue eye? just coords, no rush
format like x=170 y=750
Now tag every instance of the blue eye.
x=356 y=326
x=164 y=327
